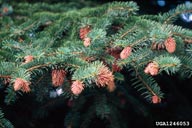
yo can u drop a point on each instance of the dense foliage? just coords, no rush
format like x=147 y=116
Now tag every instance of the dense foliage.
x=91 y=58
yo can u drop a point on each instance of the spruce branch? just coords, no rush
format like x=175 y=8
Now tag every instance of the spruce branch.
x=144 y=83
x=52 y=38
x=170 y=64
x=38 y=66
x=39 y=80
x=186 y=38
x=4 y=123
x=172 y=14
x=176 y=14
x=127 y=32
x=5 y=76
x=139 y=41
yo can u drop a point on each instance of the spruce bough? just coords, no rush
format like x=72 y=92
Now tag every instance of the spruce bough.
x=86 y=53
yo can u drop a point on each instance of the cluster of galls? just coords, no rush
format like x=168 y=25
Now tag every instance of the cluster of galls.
x=83 y=35
x=115 y=52
x=103 y=78
x=153 y=68
x=118 y=53
x=20 y=83
x=169 y=44
x=58 y=77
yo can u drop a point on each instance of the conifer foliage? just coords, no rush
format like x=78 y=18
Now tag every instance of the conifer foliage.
x=84 y=53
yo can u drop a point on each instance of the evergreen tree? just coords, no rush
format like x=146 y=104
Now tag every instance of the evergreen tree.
x=90 y=58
